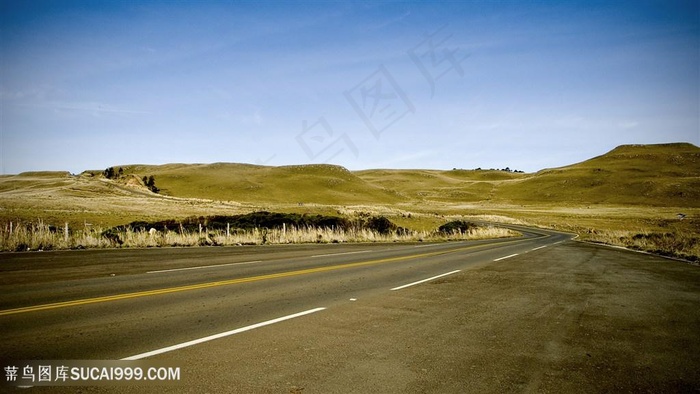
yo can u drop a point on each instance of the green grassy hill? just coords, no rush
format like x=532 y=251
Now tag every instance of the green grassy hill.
x=653 y=175
x=435 y=185
x=650 y=175
x=321 y=184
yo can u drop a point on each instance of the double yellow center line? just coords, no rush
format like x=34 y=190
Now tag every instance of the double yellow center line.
x=168 y=290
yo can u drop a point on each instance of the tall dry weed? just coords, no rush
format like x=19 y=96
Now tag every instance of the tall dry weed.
x=39 y=236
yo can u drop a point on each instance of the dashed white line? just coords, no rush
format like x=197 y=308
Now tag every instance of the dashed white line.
x=506 y=257
x=203 y=266
x=339 y=254
x=220 y=335
x=424 y=280
x=541 y=247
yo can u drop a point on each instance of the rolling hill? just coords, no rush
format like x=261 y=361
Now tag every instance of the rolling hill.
x=651 y=175
x=315 y=183
x=648 y=175
x=666 y=175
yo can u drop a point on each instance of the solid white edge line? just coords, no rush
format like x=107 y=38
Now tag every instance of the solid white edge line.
x=338 y=254
x=506 y=257
x=424 y=280
x=220 y=335
x=203 y=266
x=538 y=248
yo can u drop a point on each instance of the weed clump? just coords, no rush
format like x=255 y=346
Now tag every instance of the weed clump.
x=457 y=226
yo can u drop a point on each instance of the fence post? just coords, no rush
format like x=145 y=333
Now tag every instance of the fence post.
x=228 y=230
x=65 y=233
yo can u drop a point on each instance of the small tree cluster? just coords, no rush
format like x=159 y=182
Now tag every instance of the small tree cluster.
x=109 y=173
x=150 y=182
x=507 y=169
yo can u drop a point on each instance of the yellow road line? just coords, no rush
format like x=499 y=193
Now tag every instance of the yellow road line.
x=206 y=285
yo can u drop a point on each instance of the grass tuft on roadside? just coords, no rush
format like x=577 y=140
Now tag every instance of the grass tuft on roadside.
x=42 y=237
x=679 y=245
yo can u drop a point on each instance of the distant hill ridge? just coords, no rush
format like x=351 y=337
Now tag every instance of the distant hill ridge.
x=652 y=175
x=657 y=175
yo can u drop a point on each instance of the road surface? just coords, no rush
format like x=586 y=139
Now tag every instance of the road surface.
x=538 y=313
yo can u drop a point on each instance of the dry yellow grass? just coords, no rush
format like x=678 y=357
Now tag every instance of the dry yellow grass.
x=680 y=245
x=40 y=236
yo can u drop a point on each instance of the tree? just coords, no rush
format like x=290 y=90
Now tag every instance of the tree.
x=150 y=183
x=108 y=173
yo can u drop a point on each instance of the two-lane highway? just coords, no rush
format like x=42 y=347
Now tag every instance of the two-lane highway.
x=537 y=313
x=112 y=304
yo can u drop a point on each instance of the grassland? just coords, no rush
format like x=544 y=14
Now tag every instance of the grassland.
x=630 y=196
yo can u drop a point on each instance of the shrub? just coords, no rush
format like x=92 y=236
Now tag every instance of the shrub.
x=456 y=226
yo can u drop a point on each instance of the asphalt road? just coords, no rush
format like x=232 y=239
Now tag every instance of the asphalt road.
x=540 y=313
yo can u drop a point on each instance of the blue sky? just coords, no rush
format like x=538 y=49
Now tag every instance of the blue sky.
x=528 y=85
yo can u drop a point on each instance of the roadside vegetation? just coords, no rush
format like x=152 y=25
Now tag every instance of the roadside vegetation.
x=679 y=245
x=254 y=229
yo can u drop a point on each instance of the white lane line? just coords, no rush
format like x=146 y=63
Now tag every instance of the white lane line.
x=541 y=247
x=203 y=266
x=425 y=246
x=220 y=335
x=424 y=280
x=506 y=257
x=338 y=254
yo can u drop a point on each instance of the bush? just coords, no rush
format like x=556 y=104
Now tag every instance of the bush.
x=457 y=226
x=269 y=220
x=381 y=225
